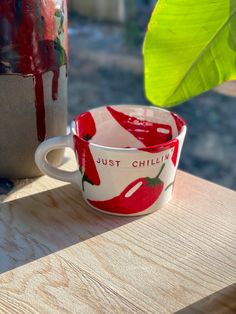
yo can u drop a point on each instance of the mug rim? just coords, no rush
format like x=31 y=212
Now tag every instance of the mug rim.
x=131 y=149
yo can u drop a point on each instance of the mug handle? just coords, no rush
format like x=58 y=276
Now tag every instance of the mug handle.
x=43 y=164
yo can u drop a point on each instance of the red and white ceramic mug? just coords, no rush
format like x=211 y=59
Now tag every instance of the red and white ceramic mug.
x=127 y=157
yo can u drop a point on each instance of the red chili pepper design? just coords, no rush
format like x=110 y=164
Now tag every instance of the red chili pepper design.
x=136 y=197
x=158 y=149
x=178 y=121
x=145 y=131
x=86 y=128
x=172 y=144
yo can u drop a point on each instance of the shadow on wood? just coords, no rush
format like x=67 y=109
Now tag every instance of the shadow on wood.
x=41 y=224
x=220 y=302
x=10 y=186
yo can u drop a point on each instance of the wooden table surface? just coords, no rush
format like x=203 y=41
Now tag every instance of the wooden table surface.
x=58 y=256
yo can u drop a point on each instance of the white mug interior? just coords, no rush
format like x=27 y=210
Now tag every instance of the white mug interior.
x=112 y=134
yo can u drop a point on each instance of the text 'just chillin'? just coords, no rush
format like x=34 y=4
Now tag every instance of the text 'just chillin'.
x=135 y=163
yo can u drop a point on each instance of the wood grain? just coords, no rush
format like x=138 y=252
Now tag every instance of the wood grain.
x=59 y=256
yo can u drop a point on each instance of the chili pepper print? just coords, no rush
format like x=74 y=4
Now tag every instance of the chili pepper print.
x=147 y=132
x=178 y=121
x=136 y=197
x=157 y=149
x=86 y=128
x=86 y=162
x=174 y=143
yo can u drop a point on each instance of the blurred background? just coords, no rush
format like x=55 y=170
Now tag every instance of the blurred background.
x=106 y=67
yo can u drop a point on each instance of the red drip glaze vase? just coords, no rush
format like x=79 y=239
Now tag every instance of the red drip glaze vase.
x=33 y=81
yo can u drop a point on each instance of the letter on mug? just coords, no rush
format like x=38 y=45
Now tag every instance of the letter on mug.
x=111 y=163
x=135 y=163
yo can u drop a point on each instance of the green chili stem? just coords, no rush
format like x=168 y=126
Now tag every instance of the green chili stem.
x=168 y=186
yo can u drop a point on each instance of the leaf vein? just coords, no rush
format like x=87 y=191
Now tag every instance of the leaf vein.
x=196 y=60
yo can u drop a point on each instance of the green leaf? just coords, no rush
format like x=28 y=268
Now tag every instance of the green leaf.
x=190 y=47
